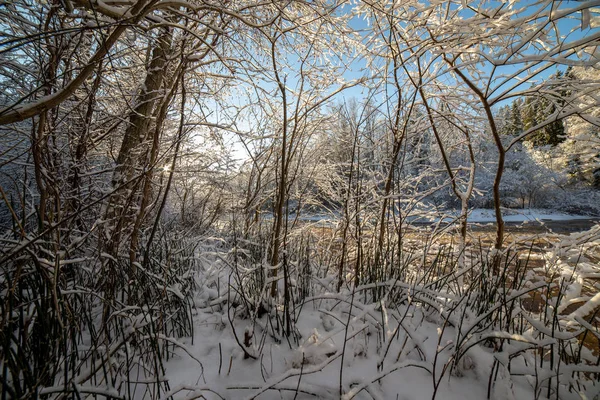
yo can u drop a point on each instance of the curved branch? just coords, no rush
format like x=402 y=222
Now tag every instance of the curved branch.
x=19 y=113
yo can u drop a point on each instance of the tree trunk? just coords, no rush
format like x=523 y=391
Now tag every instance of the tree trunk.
x=280 y=197
x=125 y=200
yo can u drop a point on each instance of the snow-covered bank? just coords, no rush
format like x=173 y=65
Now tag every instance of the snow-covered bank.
x=523 y=215
x=476 y=215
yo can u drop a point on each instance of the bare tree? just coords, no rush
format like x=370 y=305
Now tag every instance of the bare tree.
x=495 y=51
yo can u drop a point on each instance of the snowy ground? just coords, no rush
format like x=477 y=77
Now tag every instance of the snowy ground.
x=402 y=346
x=381 y=360
x=218 y=363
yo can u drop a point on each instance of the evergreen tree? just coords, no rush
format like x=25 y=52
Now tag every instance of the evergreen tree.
x=504 y=116
x=511 y=117
x=539 y=109
x=529 y=113
x=551 y=134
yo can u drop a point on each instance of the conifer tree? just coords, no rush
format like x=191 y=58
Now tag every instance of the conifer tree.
x=539 y=109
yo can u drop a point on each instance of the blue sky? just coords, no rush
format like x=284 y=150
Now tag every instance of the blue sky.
x=570 y=28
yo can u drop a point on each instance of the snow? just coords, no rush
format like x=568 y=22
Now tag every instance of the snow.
x=313 y=367
x=341 y=348
x=525 y=215
x=413 y=360
x=476 y=215
x=512 y=215
x=589 y=306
